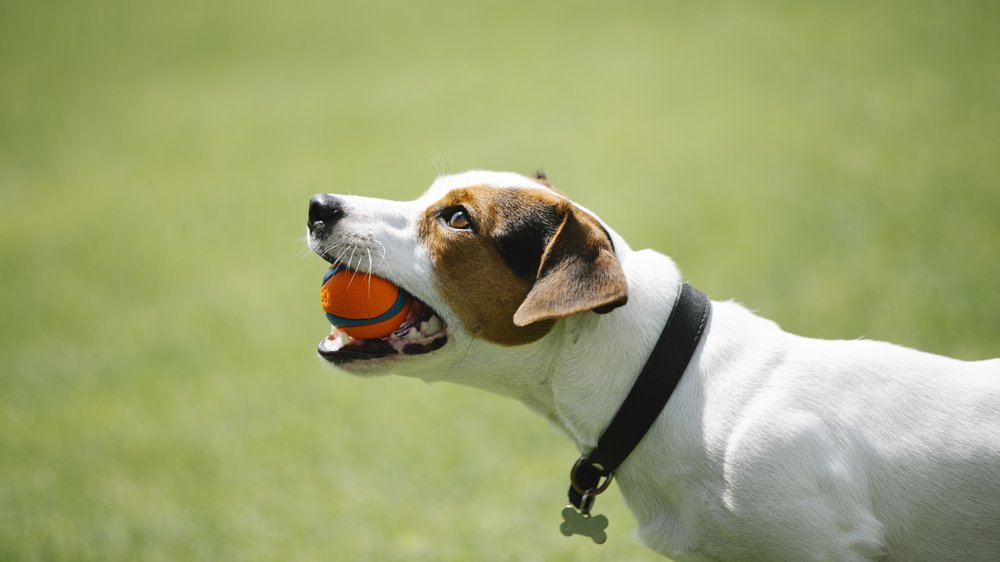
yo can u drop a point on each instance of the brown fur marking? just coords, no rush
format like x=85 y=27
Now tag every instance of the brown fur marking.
x=489 y=288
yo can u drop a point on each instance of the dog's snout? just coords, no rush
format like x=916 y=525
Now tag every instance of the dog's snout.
x=324 y=211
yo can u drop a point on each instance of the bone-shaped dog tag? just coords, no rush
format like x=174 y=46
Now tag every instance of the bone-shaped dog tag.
x=576 y=523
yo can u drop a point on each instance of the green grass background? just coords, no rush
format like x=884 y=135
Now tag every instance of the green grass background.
x=833 y=165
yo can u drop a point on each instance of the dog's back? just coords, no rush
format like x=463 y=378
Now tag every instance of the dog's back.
x=937 y=471
x=854 y=448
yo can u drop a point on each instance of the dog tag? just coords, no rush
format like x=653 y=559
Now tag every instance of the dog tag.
x=576 y=523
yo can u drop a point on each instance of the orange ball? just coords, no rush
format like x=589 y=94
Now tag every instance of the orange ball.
x=361 y=305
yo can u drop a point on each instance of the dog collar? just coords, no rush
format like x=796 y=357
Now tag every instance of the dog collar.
x=650 y=392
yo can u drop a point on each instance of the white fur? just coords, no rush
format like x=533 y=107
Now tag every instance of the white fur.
x=773 y=446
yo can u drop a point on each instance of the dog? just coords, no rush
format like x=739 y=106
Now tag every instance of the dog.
x=772 y=446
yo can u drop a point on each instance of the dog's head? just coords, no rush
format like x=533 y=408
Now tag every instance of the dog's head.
x=498 y=258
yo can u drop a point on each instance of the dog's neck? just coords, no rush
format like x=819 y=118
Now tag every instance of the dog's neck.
x=581 y=371
x=600 y=356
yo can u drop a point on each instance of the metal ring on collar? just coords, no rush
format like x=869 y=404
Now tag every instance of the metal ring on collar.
x=584 y=489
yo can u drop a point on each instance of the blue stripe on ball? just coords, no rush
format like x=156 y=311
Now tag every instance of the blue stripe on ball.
x=334 y=269
x=342 y=322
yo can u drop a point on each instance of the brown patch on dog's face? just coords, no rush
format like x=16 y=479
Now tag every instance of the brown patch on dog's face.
x=510 y=262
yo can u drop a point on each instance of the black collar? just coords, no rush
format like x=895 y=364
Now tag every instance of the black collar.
x=650 y=393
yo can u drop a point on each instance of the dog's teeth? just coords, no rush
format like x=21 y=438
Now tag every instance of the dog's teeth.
x=333 y=342
x=424 y=328
x=412 y=334
x=433 y=325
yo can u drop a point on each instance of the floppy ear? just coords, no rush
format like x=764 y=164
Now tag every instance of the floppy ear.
x=578 y=272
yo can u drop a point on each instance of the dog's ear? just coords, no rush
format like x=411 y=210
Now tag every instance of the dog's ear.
x=578 y=272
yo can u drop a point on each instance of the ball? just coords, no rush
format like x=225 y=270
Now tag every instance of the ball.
x=361 y=305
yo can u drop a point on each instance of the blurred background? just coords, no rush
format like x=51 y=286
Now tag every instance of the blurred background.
x=832 y=165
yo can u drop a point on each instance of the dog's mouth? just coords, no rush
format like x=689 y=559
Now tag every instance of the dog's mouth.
x=421 y=332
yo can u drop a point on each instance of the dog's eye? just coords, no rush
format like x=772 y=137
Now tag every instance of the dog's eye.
x=458 y=219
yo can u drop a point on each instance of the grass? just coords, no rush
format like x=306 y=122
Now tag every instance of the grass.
x=833 y=166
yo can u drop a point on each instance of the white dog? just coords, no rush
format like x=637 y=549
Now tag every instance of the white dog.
x=772 y=446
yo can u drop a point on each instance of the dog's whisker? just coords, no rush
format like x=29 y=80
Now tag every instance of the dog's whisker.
x=468 y=348
x=337 y=250
x=369 y=253
x=350 y=261
x=305 y=252
x=439 y=162
x=382 y=255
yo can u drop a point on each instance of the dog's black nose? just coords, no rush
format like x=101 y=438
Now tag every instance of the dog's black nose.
x=324 y=211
